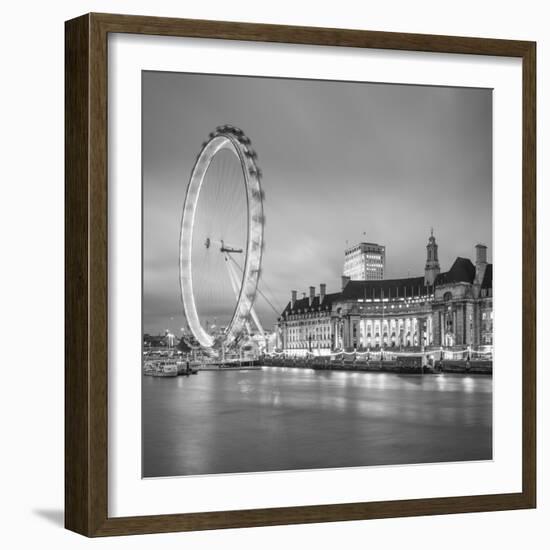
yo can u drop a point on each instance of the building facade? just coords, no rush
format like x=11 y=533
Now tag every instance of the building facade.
x=365 y=261
x=450 y=310
x=306 y=324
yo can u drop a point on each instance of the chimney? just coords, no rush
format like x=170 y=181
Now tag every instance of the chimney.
x=481 y=254
x=481 y=263
x=293 y=299
x=311 y=295
x=322 y=292
x=345 y=281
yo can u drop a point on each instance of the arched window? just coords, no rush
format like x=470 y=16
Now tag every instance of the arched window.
x=447 y=296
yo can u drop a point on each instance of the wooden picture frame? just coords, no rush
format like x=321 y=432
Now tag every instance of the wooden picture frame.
x=86 y=282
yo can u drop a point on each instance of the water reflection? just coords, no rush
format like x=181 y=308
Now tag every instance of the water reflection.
x=280 y=419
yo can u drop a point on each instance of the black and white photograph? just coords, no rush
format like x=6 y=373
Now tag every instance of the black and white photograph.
x=249 y=296
x=316 y=274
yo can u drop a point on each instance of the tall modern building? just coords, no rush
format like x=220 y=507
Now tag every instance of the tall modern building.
x=365 y=262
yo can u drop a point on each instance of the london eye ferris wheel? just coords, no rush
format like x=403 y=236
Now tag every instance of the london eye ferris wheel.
x=221 y=239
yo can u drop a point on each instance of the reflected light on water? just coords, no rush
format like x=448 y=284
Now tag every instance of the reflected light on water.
x=284 y=419
x=441 y=382
x=468 y=383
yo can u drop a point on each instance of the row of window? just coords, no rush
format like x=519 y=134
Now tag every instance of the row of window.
x=391 y=306
x=314 y=322
x=310 y=315
x=307 y=331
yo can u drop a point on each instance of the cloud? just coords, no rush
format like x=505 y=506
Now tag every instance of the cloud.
x=338 y=159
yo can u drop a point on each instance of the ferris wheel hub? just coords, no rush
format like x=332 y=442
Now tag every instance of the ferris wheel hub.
x=230 y=249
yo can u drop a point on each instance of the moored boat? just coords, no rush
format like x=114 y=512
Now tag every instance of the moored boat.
x=160 y=368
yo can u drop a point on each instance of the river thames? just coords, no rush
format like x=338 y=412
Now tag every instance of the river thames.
x=287 y=419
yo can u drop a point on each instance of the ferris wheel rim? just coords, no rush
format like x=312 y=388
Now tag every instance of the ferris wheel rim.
x=226 y=137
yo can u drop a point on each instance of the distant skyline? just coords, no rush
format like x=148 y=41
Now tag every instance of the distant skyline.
x=342 y=162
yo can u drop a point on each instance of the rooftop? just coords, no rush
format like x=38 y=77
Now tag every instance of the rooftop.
x=363 y=244
x=488 y=277
x=385 y=288
x=462 y=271
x=302 y=304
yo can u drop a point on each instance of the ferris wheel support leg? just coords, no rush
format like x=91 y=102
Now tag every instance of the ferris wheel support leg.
x=257 y=321
x=234 y=279
x=234 y=283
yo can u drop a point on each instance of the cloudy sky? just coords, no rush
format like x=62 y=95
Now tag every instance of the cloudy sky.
x=342 y=162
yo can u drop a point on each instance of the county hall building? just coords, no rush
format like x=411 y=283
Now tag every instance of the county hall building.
x=452 y=309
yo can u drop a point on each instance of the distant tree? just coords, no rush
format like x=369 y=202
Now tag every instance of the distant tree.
x=183 y=346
